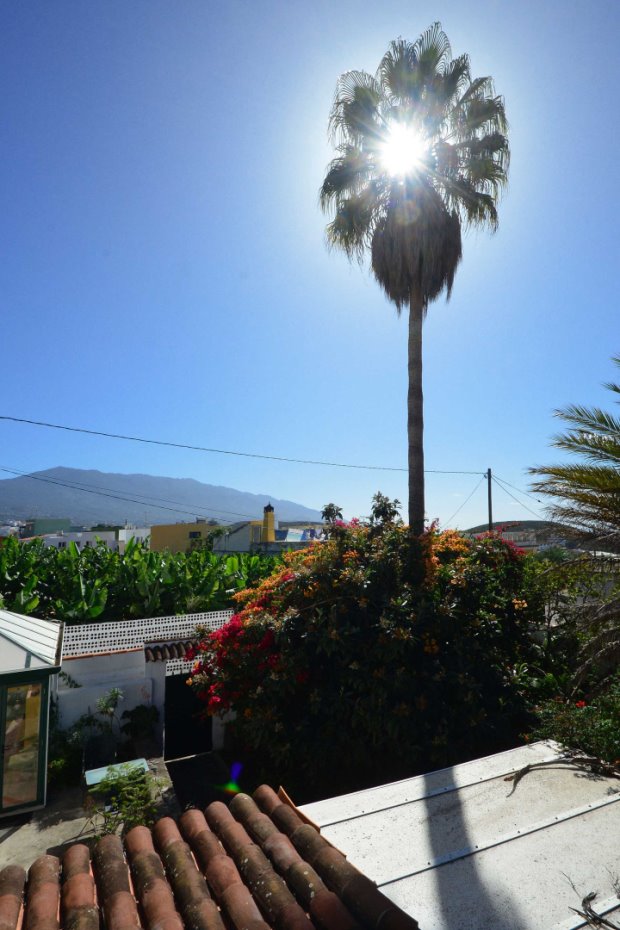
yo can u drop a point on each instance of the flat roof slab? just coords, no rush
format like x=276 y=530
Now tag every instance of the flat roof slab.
x=463 y=848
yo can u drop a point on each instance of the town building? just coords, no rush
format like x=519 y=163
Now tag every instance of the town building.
x=267 y=535
x=42 y=526
x=180 y=537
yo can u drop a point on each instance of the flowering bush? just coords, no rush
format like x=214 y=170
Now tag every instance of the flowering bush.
x=591 y=726
x=341 y=672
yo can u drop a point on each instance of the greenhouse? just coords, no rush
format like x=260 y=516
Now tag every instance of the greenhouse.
x=30 y=653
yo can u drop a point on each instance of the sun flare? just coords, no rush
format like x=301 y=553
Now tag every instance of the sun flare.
x=403 y=150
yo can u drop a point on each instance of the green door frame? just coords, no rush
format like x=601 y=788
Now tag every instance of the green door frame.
x=28 y=676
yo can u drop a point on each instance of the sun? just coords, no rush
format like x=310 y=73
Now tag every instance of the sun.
x=403 y=150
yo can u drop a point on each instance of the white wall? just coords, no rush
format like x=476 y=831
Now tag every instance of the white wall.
x=83 y=540
x=238 y=541
x=141 y=683
x=139 y=533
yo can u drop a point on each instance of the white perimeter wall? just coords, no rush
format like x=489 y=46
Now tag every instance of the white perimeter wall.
x=141 y=683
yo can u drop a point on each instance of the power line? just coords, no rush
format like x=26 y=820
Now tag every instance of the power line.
x=127 y=500
x=520 y=491
x=458 y=510
x=520 y=503
x=250 y=455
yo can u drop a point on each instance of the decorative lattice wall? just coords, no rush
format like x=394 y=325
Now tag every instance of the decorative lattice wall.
x=87 y=639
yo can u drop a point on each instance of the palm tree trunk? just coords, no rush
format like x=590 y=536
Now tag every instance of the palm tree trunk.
x=415 y=417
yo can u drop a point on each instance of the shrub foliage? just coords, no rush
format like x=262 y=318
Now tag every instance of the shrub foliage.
x=591 y=726
x=341 y=671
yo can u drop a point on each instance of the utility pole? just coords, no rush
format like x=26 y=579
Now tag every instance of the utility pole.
x=490 y=499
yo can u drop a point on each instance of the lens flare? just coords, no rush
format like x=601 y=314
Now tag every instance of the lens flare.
x=231 y=786
x=403 y=151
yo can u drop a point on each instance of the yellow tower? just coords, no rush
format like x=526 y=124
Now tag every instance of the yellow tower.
x=269 y=525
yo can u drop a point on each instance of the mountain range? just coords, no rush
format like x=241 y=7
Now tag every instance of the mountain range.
x=90 y=497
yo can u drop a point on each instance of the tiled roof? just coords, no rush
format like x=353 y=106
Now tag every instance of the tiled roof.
x=163 y=652
x=254 y=866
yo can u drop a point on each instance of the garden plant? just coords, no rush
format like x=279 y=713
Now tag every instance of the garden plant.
x=342 y=673
x=98 y=584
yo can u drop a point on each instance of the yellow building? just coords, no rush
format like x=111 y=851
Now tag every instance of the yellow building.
x=247 y=536
x=179 y=537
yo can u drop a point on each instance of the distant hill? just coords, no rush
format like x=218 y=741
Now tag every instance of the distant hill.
x=540 y=526
x=89 y=497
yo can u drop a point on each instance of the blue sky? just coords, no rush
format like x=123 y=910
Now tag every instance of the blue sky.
x=164 y=269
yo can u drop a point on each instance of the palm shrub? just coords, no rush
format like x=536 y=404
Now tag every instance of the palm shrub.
x=585 y=491
x=585 y=495
x=342 y=673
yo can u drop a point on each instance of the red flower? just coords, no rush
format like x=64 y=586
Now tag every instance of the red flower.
x=580 y=704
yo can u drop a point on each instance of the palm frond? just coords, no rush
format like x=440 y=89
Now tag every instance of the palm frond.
x=474 y=207
x=398 y=74
x=486 y=114
x=457 y=77
x=585 y=493
x=493 y=143
x=590 y=419
x=345 y=175
x=595 y=448
x=354 y=116
x=480 y=88
x=353 y=225
x=485 y=174
x=433 y=50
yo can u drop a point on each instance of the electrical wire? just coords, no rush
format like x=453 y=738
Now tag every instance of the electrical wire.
x=520 y=503
x=250 y=455
x=520 y=491
x=458 y=510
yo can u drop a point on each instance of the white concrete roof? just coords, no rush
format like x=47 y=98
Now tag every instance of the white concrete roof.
x=28 y=642
x=464 y=849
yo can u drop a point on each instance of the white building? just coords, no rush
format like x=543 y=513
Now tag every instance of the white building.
x=116 y=540
x=84 y=539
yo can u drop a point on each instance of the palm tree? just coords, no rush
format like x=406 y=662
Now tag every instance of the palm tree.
x=421 y=152
x=586 y=493
x=330 y=513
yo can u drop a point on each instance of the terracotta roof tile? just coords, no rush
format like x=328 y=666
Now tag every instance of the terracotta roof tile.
x=43 y=894
x=79 y=911
x=12 y=881
x=256 y=865
x=163 y=652
x=361 y=896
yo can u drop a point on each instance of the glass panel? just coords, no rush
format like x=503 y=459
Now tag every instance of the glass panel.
x=21 y=745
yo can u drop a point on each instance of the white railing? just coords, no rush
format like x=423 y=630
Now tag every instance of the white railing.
x=87 y=639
